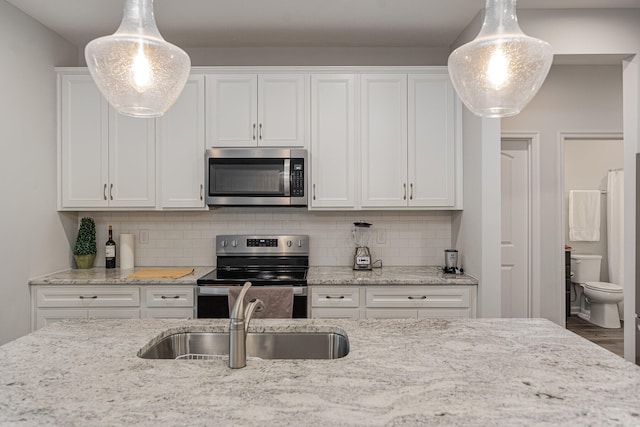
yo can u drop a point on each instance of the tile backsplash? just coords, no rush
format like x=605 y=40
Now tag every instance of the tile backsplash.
x=165 y=239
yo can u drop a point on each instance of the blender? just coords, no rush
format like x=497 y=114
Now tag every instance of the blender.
x=362 y=257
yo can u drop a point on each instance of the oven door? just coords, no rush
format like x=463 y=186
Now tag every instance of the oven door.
x=266 y=177
x=212 y=302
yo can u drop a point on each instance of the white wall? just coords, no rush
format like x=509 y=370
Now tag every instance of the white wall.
x=573 y=99
x=33 y=233
x=476 y=229
x=187 y=238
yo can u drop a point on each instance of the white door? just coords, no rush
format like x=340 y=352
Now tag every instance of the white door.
x=84 y=143
x=515 y=172
x=384 y=140
x=333 y=141
x=431 y=148
x=232 y=110
x=132 y=161
x=182 y=146
x=281 y=110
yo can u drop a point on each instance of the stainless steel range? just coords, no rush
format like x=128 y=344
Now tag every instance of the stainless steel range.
x=262 y=260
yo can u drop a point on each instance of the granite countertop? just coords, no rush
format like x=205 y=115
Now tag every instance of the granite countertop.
x=398 y=372
x=405 y=275
x=114 y=276
x=316 y=276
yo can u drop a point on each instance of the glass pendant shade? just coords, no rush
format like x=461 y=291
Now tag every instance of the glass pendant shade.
x=501 y=70
x=136 y=70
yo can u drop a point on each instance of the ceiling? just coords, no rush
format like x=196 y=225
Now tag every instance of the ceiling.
x=238 y=23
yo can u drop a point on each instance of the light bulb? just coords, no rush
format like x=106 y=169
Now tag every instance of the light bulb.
x=136 y=70
x=502 y=69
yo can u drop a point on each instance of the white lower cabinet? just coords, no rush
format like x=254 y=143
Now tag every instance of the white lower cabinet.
x=393 y=302
x=52 y=304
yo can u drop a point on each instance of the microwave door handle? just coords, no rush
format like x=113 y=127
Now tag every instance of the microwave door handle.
x=287 y=177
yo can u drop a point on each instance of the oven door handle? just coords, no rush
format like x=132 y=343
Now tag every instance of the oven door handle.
x=224 y=290
x=287 y=177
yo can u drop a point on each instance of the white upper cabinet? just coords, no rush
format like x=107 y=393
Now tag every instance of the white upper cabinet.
x=411 y=146
x=106 y=159
x=181 y=142
x=383 y=127
x=432 y=141
x=256 y=110
x=333 y=141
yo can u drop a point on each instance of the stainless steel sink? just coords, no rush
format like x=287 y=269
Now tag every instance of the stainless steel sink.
x=208 y=345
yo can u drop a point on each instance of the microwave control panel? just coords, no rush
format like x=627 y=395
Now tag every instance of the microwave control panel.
x=297 y=177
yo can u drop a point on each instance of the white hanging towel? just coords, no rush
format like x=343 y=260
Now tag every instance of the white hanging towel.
x=584 y=215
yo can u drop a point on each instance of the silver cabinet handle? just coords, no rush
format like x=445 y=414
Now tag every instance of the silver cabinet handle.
x=420 y=297
x=332 y=297
x=111 y=192
x=201 y=191
x=314 y=191
x=254 y=131
x=91 y=297
x=405 y=191
x=172 y=297
x=104 y=192
x=411 y=194
x=260 y=132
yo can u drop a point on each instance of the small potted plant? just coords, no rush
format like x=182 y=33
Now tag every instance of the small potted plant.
x=85 y=250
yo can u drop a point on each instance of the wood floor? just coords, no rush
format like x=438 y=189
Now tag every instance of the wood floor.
x=611 y=339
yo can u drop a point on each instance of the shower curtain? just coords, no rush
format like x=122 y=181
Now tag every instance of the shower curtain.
x=615 y=227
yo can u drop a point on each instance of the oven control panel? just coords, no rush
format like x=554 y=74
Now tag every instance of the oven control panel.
x=262 y=245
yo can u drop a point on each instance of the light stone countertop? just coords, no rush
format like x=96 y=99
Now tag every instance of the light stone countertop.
x=405 y=275
x=316 y=276
x=115 y=276
x=467 y=372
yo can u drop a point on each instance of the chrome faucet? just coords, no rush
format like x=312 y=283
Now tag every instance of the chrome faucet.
x=238 y=325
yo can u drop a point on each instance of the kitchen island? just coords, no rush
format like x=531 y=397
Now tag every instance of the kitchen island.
x=398 y=372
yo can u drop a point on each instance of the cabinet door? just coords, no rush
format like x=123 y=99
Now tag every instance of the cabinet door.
x=384 y=140
x=182 y=145
x=168 y=313
x=431 y=149
x=45 y=317
x=333 y=143
x=232 y=110
x=132 y=161
x=391 y=313
x=84 y=139
x=281 y=110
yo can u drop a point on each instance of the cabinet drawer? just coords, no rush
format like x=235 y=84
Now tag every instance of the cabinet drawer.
x=417 y=297
x=334 y=296
x=81 y=296
x=162 y=296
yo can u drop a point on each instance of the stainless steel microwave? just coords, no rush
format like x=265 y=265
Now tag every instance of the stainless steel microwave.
x=256 y=177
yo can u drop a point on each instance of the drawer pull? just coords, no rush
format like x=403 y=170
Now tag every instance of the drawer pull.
x=332 y=297
x=173 y=297
x=91 y=297
x=420 y=297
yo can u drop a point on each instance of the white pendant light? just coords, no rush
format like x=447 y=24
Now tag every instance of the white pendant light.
x=136 y=70
x=501 y=70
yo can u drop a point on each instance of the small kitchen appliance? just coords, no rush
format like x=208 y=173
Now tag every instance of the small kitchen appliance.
x=450 y=261
x=362 y=257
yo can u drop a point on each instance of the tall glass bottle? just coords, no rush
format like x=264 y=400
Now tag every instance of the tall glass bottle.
x=110 y=251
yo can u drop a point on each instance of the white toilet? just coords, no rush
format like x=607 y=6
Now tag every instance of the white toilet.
x=599 y=300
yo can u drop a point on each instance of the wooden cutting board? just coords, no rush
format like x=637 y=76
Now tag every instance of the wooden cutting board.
x=152 y=273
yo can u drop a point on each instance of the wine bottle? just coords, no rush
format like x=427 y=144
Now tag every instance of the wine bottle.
x=110 y=251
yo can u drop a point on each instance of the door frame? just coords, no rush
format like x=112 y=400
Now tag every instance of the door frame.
x=533 y=147
x=563 y=137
